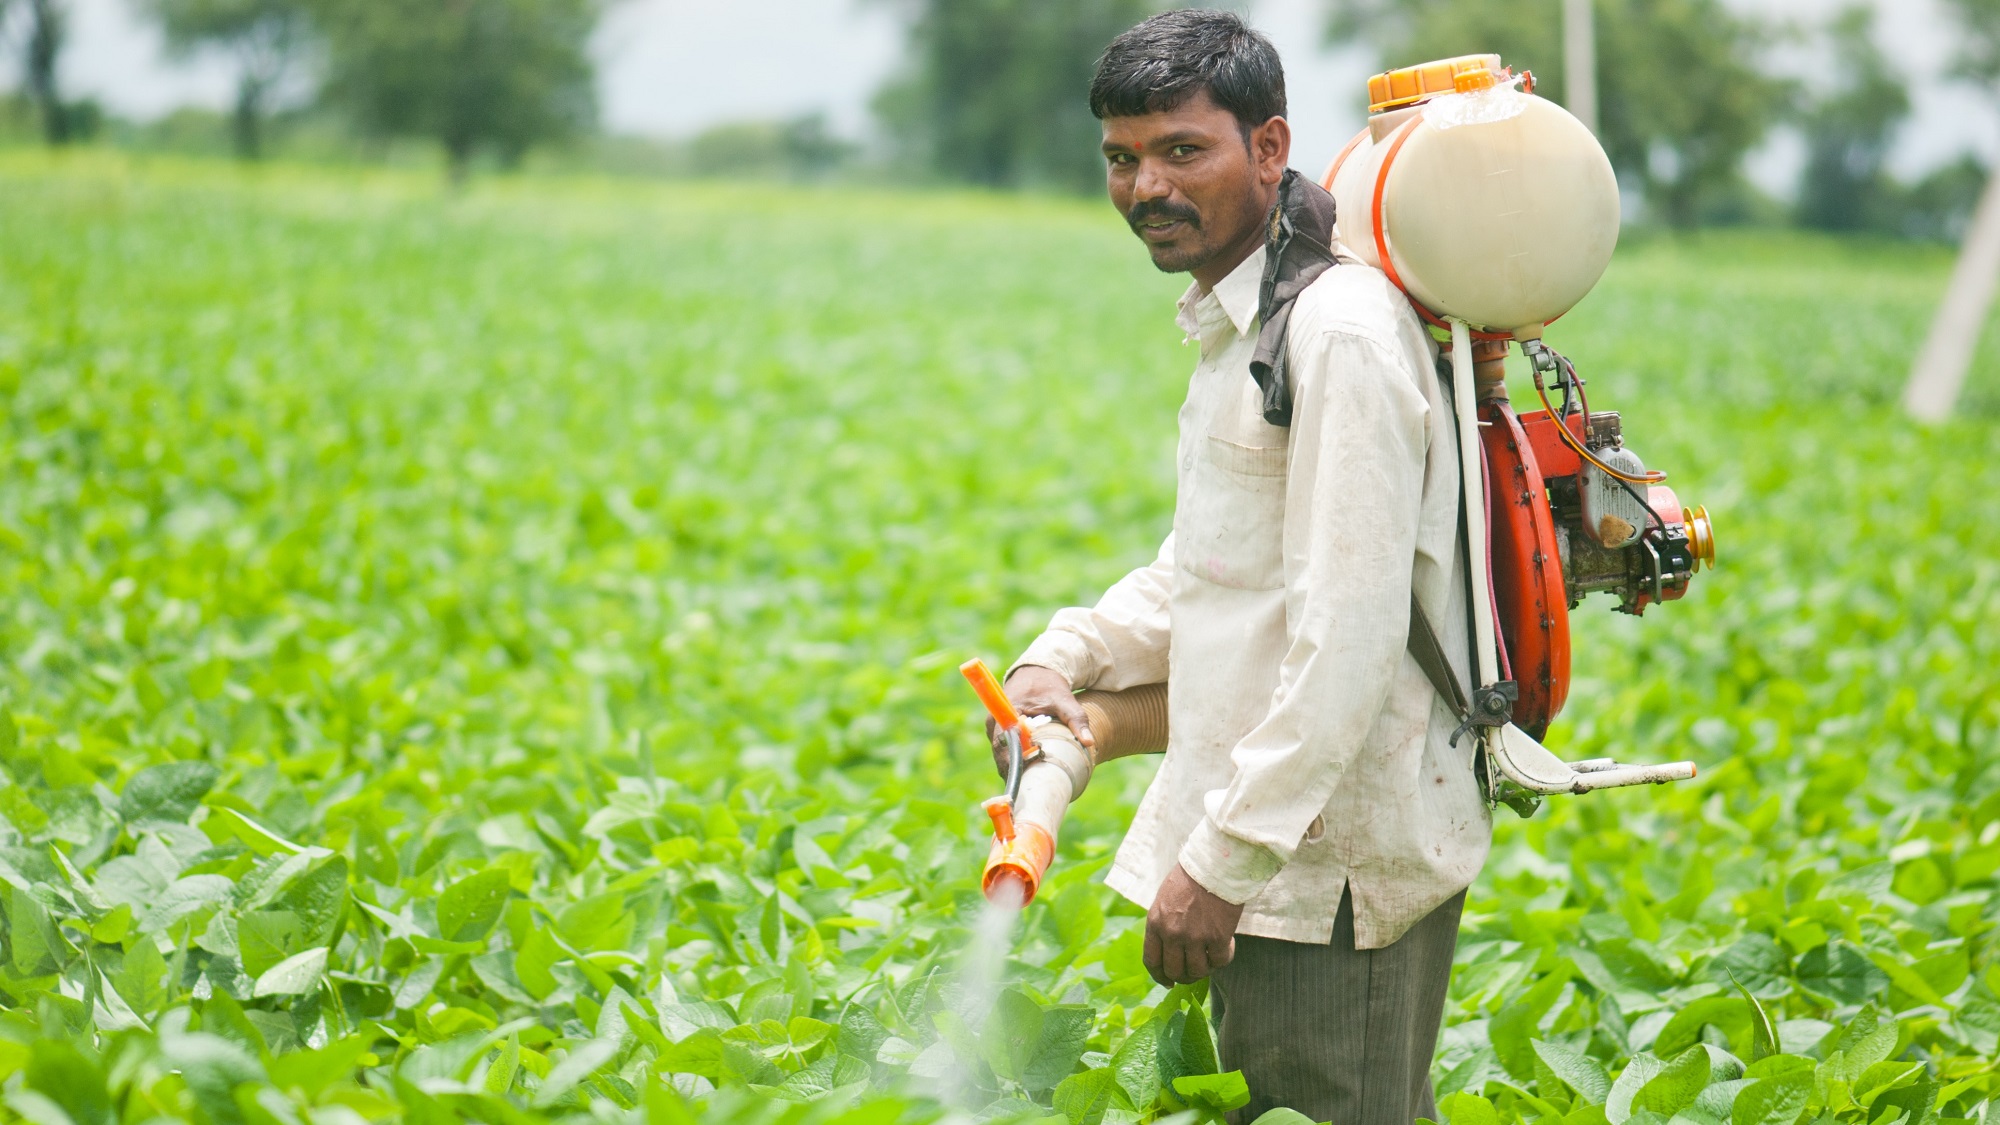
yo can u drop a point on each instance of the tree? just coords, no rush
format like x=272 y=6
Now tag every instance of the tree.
x=997 y=91
x=1680 y=97
x=264 y=35
x=48 y=32
x=497 y=76
x=1848 y=130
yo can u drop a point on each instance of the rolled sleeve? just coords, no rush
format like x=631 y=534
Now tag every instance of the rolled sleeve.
x=1353 y=505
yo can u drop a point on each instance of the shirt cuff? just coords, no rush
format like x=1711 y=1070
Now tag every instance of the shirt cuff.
x=1232 y=870
x=1061 y=652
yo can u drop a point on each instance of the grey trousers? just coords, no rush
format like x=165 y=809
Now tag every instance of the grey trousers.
x=1337 y=1033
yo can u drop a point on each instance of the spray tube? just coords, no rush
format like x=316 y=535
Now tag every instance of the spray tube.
x=1047 y=768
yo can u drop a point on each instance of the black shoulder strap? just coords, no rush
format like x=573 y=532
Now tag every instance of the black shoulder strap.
x=1429 y=654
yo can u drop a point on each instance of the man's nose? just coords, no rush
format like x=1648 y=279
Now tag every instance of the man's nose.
x=1151 y=183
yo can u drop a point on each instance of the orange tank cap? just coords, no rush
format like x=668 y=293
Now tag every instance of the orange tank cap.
x=1412 y=84
x=1467 y=81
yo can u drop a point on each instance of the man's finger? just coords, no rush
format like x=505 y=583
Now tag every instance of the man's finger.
x=1220 y=955
x=1072 y=715
x=1173 y=958
x=1151 y=957
x=1195 y=966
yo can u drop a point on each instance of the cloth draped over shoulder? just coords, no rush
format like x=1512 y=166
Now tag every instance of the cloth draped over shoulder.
x=1298 y=247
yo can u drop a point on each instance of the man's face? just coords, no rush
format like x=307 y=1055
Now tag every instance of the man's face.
x=1193 y=187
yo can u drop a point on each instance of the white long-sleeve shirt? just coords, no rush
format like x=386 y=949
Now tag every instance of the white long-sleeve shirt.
x=1307 y=749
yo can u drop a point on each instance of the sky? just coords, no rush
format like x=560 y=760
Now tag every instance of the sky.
x=670 y=68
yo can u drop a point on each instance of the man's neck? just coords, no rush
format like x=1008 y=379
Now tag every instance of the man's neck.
x=1210 y=273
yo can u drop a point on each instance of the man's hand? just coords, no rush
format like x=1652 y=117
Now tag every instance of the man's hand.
x=1190 y=933
x=1034 y=690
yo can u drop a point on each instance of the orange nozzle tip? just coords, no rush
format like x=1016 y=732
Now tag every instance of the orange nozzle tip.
x=1009 y=886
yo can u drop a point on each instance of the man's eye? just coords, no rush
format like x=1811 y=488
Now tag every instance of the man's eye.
x=1182 y=150
x=1120 y=158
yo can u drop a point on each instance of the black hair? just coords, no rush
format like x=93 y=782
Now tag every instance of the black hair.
x=1171 y=57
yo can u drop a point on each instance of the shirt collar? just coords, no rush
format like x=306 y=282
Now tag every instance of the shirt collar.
x=1234 y=299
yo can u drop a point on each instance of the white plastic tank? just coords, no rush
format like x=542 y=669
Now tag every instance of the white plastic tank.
x=1481 y=200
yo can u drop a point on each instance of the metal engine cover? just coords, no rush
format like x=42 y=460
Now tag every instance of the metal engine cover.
x=1612 y=516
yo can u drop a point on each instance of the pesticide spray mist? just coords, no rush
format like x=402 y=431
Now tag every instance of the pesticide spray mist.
x=981 y=976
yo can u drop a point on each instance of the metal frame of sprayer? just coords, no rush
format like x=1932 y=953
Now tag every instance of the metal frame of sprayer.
x=1538 y=542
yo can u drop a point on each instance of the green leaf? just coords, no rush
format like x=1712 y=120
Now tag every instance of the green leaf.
x=499 y=1078
x=295 y=975
x=318 y=898
x=468 y=909
x=312 y=1071
x=1467 y=1109
x=1084 y=1097
x=1137 y=1065
x=142 y=978
x=58 y=1071
x=699 y=1054
x=1216 y=1093
x=1763 y=1033
x=1514 y=1030
x=169 y=792
x=1772 y=1101
x=1580 y=1071
x=1282 y=1116
x=38 y=946
x=266 y=937
x=1840 y=972
x=1065 y=1030
x=1675 y=1086
x=1756 y=964
x=1730 y=1014
x=964 y=1044
x=534 y=961
x=1198 y=1054
x=1641 y=1069
x=581 y=1062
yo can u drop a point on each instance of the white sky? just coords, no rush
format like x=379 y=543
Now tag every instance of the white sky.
x=671 y=67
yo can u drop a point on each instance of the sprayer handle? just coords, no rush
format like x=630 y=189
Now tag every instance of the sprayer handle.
x=987 y=687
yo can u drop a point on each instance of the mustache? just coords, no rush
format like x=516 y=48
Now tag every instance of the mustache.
x=1161 y=209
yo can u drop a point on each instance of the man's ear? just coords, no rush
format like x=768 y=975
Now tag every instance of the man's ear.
x=1271 y=149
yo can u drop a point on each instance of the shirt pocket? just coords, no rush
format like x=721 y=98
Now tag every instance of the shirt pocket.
x=1234 y=523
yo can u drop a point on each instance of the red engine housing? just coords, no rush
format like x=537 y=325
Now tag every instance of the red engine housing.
x=1529 y=595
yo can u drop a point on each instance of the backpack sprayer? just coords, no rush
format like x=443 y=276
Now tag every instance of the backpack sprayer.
x=1494 y=211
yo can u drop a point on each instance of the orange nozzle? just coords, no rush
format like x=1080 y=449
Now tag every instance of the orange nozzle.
x=1015 y=866
x=987 y=687
x=1002 y=811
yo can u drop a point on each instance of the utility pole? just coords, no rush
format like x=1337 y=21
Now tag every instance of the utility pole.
x=1940 y=368
x=1580 y=61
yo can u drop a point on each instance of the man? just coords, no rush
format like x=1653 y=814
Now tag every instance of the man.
x=1308 y=839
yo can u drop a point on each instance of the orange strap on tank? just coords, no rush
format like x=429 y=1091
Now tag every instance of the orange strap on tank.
x=1333 y=169
x=1388 y=260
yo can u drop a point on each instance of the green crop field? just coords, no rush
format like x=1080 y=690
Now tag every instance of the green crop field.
x=492 y=658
